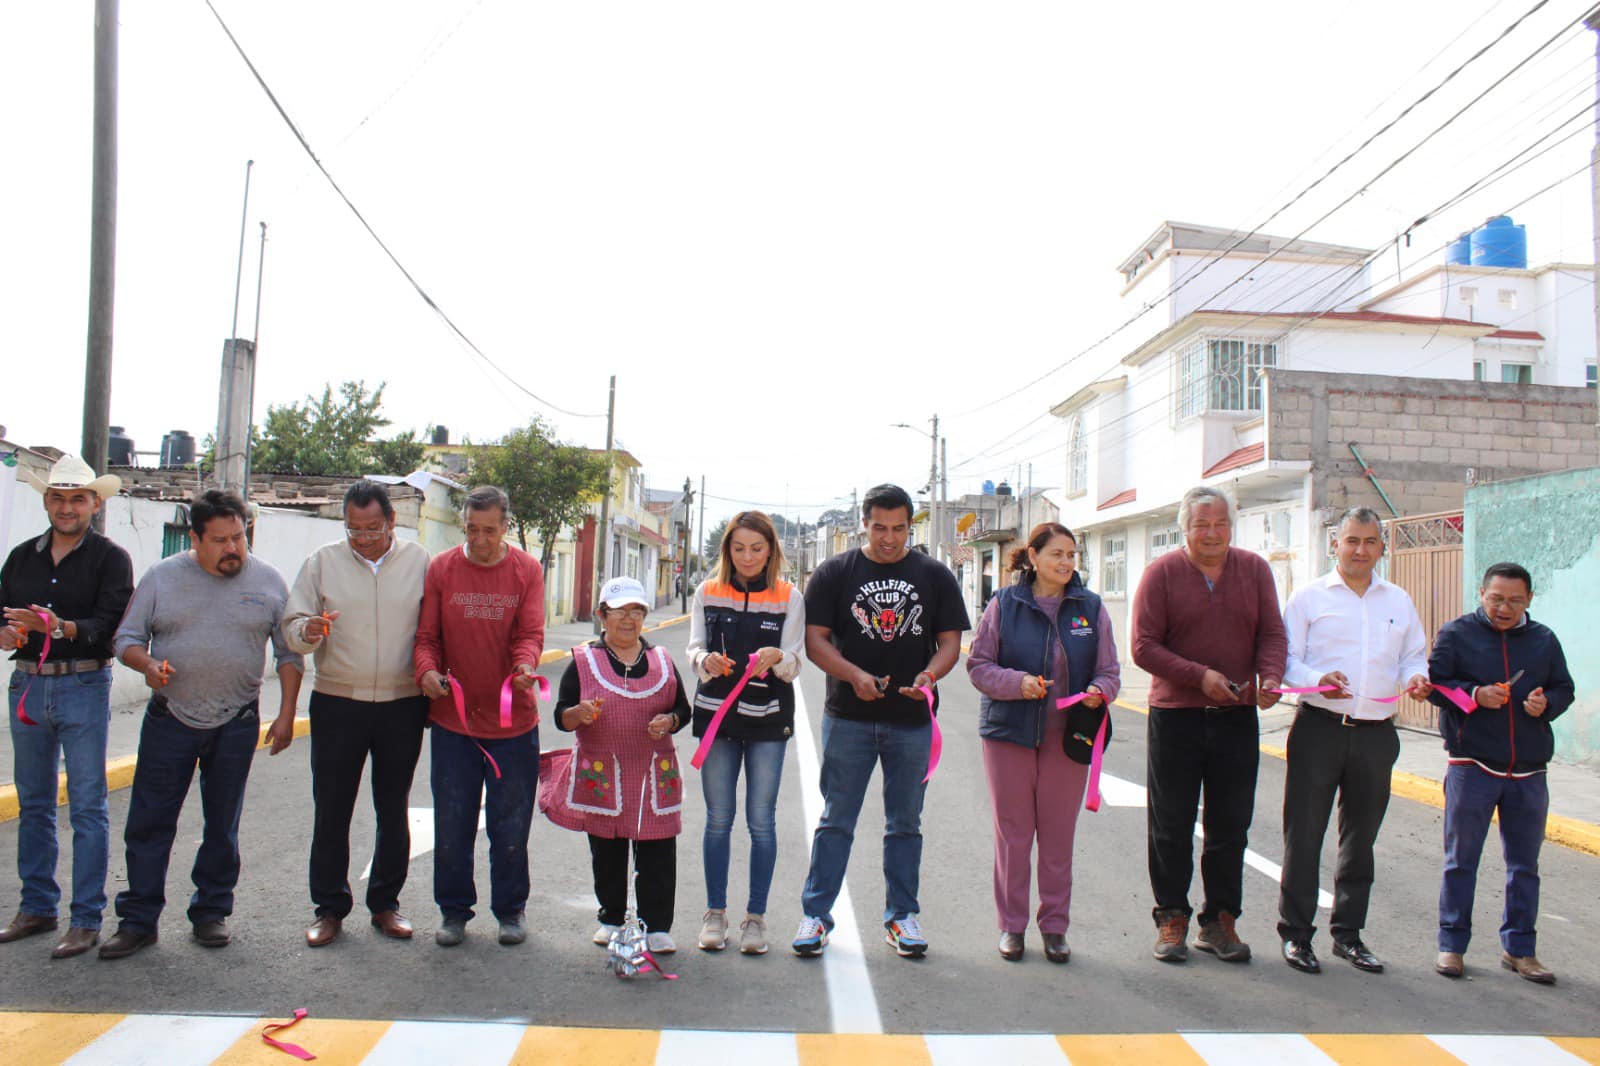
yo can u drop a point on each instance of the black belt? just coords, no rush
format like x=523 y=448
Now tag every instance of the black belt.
x=1346 y=719
x=58 y=667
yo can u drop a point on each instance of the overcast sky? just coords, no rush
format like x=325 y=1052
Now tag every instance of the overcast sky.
x=784 y=227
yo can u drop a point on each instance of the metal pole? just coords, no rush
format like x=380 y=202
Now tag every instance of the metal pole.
x=255 y=358
x=933 y=492
x=701 y=541
x=683 y=583
x=1592 y=20
x=602 y=536
x=944 y=496
x=225 y=442
x=102 y=245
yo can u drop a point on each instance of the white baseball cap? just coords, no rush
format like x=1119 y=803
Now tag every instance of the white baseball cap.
x=621 y=591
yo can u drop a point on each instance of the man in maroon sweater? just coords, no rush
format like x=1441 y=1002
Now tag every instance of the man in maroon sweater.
x=1207 y=628
x=482 y=624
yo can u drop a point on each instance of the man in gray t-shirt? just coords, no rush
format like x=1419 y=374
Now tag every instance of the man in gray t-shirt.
x=197 y=629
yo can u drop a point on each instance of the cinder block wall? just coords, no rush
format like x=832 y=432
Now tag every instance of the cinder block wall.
x=1422 y=436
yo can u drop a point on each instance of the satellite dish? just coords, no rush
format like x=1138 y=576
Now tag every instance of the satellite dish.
x=964 y=523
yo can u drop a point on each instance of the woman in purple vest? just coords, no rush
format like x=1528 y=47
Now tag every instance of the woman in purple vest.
x=1041 y=639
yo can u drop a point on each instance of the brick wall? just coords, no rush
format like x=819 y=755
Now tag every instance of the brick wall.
x=1421 y=436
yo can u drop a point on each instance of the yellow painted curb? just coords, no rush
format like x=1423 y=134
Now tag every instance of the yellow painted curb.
x=1558 y=829
x=119 y=771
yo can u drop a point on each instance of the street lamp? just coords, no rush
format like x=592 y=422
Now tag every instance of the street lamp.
x=937 y=536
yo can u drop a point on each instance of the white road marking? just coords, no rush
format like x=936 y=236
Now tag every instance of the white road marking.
x=421 y=819
x=163 y=1040
x=851 y=1001
x=430 y=1043
x=1120 y=793
x=1013 y=1050
x=696 y=1047
x=1280 y=1049
x=1498 y=1050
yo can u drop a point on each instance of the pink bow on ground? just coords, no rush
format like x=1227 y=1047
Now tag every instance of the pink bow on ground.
x=283 y=1045
x=22 y=701
x=1097 y=750
x=935 y=742
x=704 y=750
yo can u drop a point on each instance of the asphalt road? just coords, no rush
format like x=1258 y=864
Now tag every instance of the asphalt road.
x=557 y=978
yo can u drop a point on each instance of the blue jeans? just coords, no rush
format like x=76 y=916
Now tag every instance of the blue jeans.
x=461 y=776
x=72 y=711
x=849 y=751
x=719 y=778
x=1471 y=798
x=169 y=751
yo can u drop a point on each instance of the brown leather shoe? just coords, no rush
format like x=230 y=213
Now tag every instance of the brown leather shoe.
x=25 y=925
x=1055 y=947
x=1450 y=964
x=1528 y=968
x=124 y=943
x=1011 y=946
x=323 y=931
x=392 y=923
x=76 y=942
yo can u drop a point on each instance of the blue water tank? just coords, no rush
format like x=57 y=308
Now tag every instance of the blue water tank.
x=988 y=488
x=1500 y=242
x=1459 y=251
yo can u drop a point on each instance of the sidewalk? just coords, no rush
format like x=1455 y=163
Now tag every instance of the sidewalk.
x=127 y=716
x=1419 y=772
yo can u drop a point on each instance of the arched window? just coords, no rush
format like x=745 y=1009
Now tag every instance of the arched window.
x=1077 y=458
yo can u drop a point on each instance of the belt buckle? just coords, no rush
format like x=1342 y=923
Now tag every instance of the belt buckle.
x=1347 y=721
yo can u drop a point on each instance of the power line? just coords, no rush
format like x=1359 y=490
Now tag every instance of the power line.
x=429 y=300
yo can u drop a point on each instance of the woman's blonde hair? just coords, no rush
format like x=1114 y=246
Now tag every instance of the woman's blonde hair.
x=755 y=522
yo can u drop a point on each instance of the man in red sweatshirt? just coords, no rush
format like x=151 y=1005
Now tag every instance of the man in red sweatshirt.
x=1207 y=628
x=479 y=639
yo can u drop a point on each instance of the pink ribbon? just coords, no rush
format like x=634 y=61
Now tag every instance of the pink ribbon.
x=22 y=701
x=1097 y=749
x=650 y=964
x=936 y=741
x=1460 y=697
x=1313 y=688
x=508 y=695
x=460 y=698
x=704 y=750
x=283 y=1045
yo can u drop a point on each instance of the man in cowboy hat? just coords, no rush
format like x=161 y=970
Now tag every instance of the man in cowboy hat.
x=63 y=594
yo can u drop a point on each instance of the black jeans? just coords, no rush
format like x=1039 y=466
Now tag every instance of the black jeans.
x=344 y=733
x=655 y=879
x=1354 y=762
x=1193 y=751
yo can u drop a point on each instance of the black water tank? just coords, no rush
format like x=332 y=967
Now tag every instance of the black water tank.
x=119 y=448
x=177 y=449
x=441 y=435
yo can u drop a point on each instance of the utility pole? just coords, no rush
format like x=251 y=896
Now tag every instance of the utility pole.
x=602 y=535
x=255 y=349
x=238 y=380
x=933 y=492
x=102 y=245
x=944 y=496
x=1592 y=20
x=683 y=583
x=700 y=542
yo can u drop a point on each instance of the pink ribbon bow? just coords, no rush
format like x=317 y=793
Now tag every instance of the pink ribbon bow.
x=936 y=741
x=704 y=750
x=22 y=701
x=283 y=1045
x=1097 y=750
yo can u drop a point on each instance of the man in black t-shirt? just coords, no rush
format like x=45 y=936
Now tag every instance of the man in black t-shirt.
x=881 y=622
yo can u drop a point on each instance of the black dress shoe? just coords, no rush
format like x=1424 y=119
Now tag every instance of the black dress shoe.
x=212 y=933
x=1011 y=946
x=1055 y=947
x=1298 y=953
x=124 y=943
x=1358 y=955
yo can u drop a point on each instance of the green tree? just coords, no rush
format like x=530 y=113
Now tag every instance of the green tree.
x=714 y=543
x=551 y=483
x=333 y=435
x=399 y=455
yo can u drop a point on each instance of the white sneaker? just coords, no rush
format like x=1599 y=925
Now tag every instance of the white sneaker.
x=714 y=930
x=753 y=935
x=811 y=937
x=660 y=943
x=602 y=935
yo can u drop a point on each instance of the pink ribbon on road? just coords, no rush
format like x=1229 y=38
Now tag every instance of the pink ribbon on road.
x=22 y=701
x=1097 y=749
x=704 y=750
x=936 y=741
x=283 y=1045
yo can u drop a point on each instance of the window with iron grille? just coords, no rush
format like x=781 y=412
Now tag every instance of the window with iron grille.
x=1165 y=539
x=1221 y=374
x=1077 y=459
x=1114 y=571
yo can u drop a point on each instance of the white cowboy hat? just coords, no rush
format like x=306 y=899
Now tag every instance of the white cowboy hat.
x=71 y=472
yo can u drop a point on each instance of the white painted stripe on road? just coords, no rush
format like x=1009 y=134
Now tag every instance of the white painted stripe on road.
x=1248 y=1049
x=1271 y=869
x=697 y=1047
x=430 y=1043
x=163 y=1040
x=421 y=822
x=851 y=1001
x=1013 y=1050
x=1498 y=1050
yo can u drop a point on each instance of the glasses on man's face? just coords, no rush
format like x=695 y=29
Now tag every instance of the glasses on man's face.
x=1494 y=603
x=367 y=535
x=634 y=613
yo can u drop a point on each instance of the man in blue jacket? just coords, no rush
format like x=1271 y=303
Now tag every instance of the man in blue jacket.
x=1514 y=670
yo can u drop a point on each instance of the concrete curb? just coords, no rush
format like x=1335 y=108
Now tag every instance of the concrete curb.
x=119 y=771
x=1558 y=829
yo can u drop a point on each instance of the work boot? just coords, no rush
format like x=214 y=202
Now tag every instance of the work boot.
x=1218 y=938
x=1172 y=935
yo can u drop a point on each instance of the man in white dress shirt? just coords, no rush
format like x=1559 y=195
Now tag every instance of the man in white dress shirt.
x=1359 y=634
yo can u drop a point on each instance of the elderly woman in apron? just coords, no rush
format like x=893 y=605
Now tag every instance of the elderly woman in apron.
x=621 y=782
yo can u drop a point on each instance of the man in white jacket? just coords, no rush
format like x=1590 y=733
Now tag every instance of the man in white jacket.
x=354 y=608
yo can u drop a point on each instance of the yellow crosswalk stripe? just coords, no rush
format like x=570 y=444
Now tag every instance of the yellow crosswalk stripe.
x=543 y=1044
x=331 y=1040
x=1169 y=1049
x=1586 y=1048
x=50 y=1037
x=1382 y=1050
x=848 y=1049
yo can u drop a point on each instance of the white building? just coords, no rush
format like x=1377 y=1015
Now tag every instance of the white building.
x=1193 y=403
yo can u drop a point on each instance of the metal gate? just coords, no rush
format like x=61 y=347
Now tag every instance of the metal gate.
x=1425 y=560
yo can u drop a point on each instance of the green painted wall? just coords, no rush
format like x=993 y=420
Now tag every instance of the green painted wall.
x=1551 y=525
